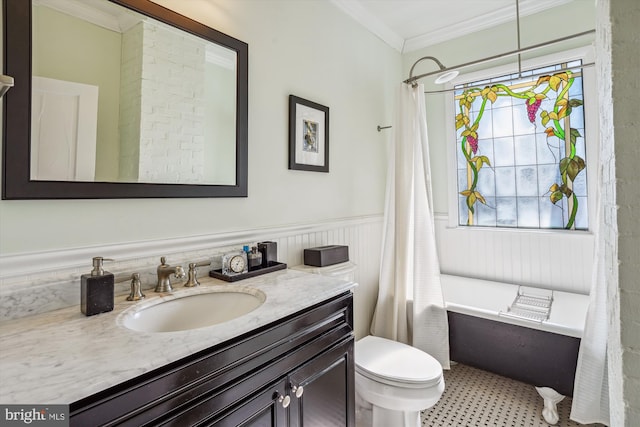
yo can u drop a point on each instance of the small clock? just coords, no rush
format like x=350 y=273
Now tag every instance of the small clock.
x=237 y=264
x=234 y=263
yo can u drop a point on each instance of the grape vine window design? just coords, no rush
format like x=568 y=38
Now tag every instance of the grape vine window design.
x=521 y=150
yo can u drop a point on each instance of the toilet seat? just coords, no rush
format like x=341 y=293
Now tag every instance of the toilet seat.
x=396 y=364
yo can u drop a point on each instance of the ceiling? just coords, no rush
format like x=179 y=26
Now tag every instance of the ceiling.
x=408 y=25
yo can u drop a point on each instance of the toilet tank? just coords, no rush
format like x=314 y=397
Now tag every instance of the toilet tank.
x=344 y=271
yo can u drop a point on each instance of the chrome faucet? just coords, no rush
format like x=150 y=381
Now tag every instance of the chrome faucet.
x=164 y=275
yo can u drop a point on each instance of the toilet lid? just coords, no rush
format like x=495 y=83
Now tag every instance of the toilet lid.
x=393 y=362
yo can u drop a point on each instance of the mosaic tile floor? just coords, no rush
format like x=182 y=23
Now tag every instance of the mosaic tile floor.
x=476 y=398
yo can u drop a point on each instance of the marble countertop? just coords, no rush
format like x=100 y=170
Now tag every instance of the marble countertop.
x=63 y=356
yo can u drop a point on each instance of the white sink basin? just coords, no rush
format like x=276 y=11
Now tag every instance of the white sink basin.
x=193 y=311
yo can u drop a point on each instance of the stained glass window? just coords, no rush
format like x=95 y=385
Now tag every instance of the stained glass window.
x=521 y=150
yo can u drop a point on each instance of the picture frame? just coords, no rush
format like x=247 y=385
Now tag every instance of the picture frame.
x=308 y=135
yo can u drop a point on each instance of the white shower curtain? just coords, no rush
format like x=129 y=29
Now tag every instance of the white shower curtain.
x=591 y=387
x=409 y=268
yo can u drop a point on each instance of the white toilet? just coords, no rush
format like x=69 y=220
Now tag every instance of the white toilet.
x=394 y=381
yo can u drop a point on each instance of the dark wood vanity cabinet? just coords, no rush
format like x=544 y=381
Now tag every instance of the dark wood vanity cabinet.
x=298 y=371
x=326 y=397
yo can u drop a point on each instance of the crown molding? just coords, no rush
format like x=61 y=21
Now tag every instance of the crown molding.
x=478 y=23
x=358 y=12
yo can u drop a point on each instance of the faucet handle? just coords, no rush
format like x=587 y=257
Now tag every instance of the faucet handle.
x=192 y=281
x=136 y=293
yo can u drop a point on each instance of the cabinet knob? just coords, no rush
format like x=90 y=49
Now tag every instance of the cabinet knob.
x=298 y=390
x=285 y=400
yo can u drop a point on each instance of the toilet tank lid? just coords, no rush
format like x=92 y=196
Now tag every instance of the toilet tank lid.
x=395 y=361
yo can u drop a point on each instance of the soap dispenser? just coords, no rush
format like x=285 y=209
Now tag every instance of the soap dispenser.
x=97 y=289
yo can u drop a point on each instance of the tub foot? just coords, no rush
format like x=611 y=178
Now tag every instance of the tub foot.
x=551 y=400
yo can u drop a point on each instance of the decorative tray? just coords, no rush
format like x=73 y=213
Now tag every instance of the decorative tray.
x=273 y=266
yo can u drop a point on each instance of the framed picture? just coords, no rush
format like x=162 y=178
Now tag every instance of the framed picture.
x=308 y=135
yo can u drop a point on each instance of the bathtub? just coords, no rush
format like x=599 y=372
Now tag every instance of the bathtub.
x=484 y=333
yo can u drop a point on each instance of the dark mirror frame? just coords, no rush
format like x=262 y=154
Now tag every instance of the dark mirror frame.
x=16 y=182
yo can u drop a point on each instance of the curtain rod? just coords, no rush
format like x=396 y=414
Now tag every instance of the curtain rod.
x=412 y=79
x=506 y=79
x=432 y=92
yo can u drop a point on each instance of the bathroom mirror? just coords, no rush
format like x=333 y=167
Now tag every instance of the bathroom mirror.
x=121 y=99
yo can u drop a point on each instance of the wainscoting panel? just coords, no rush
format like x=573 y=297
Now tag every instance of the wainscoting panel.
x=364 y=241
x=38 y=282
x=33 y=283
x=559 y=260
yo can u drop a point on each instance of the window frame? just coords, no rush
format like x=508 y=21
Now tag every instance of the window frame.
x=586 y=55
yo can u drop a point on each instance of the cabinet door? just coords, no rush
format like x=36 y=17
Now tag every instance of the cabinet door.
x=322 y=390
x=267 y=408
